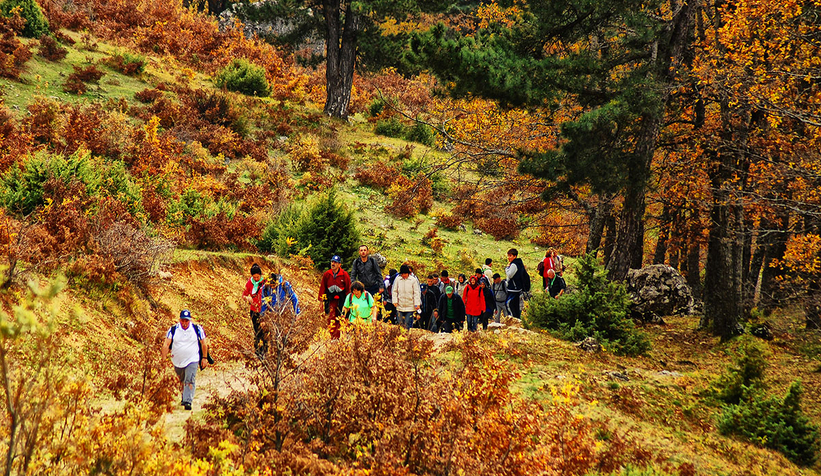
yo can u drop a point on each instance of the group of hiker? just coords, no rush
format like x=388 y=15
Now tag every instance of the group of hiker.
x=439 y=304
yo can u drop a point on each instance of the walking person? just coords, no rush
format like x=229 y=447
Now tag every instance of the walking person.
x=490 y=302
x=407 y=297
x=461 y=282
x=549 y=262
x=487 y=269
x=450 y=312
x=517 y=280
x=499 y=288
x=555 y=284
x=253 y=296
x=390 y=309
x=188 y=346
x=366 y=270
x=333 y=289
x=360 y=304
x=474 y=299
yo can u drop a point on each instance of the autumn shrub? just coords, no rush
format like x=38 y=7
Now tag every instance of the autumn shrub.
x=378 y=175
x=499 y=227
x=148 y=95
x=391 y=127
x=50 y=50
x=449 y=221
x=42 y=121
x=127 y=63
x=36 y=23
x=243 y=77
x=377 y=401
x=216 y=108
x=76 y=81
x=222 y=231
x=775 y=423
x=305 y=154
x=13 y=53
x=597 y=308
x=135 y=255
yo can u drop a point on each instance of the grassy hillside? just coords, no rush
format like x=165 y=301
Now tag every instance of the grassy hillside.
x=660 y=408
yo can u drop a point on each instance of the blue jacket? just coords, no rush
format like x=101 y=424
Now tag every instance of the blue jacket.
x=282 y=295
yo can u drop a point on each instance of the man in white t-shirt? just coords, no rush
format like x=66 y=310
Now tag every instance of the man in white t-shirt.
x=184 y=341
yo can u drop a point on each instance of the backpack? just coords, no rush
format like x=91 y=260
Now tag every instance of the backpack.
x=197 y=331
x=525 y=280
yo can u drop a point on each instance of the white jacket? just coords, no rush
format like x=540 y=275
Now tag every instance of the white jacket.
x=407 y=294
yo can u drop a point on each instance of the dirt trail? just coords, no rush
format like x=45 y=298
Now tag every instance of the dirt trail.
x=214 y=381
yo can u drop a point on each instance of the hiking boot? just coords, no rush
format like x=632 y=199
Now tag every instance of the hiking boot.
x=187 y=406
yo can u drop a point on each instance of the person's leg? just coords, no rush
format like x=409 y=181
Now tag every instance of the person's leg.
x=498 y=312
x=407 y=319
x=258 y=337
x=485 y=319
x=471 y=322
x=334 y=326
x=188 y=386
x=181 y=376
x=513 y=304
x=390 y=313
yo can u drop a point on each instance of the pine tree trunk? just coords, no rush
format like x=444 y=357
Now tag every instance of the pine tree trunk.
x=598 y=220
x=340 y=52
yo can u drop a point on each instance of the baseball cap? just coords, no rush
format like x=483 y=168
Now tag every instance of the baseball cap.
x=185 y=314
x=336 y=258
x=448 y=289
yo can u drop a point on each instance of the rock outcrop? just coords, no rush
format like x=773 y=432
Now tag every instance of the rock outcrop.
x=657 y=291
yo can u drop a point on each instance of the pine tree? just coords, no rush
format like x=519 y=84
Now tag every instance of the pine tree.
x=328 y=229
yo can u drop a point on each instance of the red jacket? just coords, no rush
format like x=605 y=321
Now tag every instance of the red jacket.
x=549 y=263
x=256 y=304
x=342 y=279
x=474 y=300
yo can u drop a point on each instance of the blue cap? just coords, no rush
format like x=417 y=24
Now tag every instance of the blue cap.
x=336 y=259
x=185 y=314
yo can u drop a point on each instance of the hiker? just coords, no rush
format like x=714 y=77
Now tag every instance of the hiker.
x=487 y=269
x=517 y=280
x=430 y=299
x=461 y=282
x=189 y=349
x=555 y=284
x=278 y=294
x=444 y=282
x=474 y=299
x=366 y=270
x=548 y=263
x=490 y=302
x=253 y=295
x=390 y=309
x=407 y=297
x=360 y=304
x=450 y=312
x=499 y=288
x=335 y=286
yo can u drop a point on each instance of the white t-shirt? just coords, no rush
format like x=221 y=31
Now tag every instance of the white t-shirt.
x=184 y=348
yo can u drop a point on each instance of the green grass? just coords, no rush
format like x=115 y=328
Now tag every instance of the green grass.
x=42 y=78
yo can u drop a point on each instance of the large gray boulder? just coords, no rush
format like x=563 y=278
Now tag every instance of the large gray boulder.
x=658 y=290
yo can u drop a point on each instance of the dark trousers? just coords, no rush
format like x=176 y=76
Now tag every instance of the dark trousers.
x=484 y=318
x=514 y=304
x=260 y=345
x=390 y=313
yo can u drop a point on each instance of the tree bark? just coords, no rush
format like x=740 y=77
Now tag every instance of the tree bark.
x=598 y=220
x=340 y=50
x=694 y=256
x=773 y=246
x=664 y=233
x=629 y=248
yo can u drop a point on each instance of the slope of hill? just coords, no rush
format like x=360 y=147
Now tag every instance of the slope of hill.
x=209 y=169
